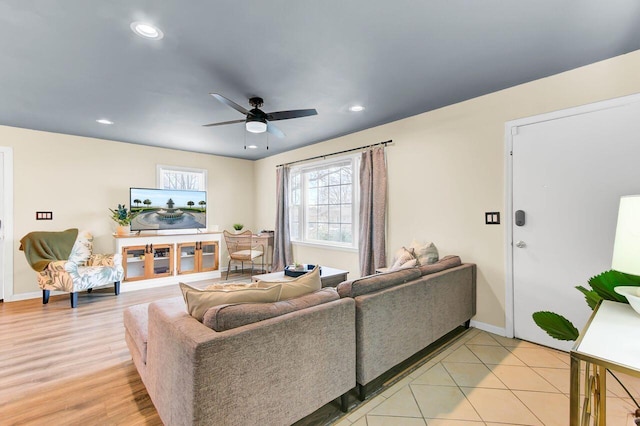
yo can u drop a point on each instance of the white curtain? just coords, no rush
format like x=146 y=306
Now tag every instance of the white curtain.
x=282 y=253
x=373 y=210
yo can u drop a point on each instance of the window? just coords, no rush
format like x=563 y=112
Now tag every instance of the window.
x=323 y=202
x=173 y=177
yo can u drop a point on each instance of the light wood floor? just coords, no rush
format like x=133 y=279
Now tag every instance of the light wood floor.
x=71 y=366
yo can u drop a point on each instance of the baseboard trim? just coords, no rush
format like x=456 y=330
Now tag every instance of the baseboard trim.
x=500 y=331
x=32 y=295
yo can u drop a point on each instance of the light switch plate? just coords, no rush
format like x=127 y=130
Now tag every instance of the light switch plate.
x=44 y=215
x=492 y=218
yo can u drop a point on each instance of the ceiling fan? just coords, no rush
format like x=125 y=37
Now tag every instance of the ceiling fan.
x=258 y=121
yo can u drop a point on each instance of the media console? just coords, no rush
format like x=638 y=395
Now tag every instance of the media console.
x=151 y=260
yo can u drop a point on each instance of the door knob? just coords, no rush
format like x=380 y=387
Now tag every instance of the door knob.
x=521 y=244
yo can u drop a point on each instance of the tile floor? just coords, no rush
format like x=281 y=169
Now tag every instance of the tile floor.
x=485 y=379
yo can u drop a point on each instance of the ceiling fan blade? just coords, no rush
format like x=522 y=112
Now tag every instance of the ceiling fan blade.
x=224 y=122
x=230 y=103
x=274 y=130
x=285 y=115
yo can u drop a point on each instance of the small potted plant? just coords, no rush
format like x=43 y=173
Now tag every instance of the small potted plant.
x=123 y=218
x=238 y=227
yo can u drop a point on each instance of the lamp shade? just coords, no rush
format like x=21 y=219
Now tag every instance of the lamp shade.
x=626 y=249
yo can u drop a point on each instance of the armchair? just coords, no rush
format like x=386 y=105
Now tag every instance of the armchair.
x=241 y=249
x=64 y=261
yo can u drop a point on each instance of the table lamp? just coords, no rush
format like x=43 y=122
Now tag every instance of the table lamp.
x=626 y=249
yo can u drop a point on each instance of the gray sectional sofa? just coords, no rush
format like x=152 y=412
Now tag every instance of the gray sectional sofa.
x=402 y=312
x=275 y=363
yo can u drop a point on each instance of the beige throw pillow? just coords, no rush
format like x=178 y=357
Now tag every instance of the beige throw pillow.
x=425 y=253
x=198 y=301
x=410 y=264
x=307 y=283
x=403 y=256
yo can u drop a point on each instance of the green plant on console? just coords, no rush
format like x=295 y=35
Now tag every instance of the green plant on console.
x=238 y=226
x=122 y=216
x=602 y=287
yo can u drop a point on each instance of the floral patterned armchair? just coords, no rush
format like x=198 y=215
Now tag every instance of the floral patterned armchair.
x=81 y=271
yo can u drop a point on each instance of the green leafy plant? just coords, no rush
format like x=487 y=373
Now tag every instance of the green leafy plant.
x=602 y=287
x=238 y=226
x=121 y=215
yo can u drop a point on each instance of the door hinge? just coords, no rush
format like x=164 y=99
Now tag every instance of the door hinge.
x=514 y=131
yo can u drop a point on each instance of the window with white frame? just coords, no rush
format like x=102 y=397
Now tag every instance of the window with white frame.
x=184 y=178
x=323 y=204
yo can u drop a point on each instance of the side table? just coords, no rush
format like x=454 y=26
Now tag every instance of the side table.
x=610 y=340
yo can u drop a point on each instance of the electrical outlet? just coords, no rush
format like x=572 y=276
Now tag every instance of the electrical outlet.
x=492 y=218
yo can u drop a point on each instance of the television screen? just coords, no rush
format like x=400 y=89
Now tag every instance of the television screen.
x=159 y=209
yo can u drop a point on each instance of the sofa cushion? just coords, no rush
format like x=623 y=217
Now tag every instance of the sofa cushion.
x=304 y=284
x=136 y=322
x=198 y=301
x=426 y=253
x=226 y=317
x=444 y=263
x=371 y=283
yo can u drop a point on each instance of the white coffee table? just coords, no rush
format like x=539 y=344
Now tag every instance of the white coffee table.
x=330 y=277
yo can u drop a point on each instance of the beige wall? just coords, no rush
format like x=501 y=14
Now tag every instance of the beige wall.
x=80 y=178
x=446 y=168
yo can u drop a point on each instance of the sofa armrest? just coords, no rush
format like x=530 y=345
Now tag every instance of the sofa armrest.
x=251 y=374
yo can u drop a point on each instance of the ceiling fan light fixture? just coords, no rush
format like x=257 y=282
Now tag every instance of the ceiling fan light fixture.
x=256 y=125
x=147 y=31
x=252 y=146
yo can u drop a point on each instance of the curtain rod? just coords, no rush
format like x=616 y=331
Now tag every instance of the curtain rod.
x=385 y=143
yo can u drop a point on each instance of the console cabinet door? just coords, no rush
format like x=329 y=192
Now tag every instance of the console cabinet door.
x=161 y=261
x=148 y=261
x=208 y=256
x=199 y=256
x=187 y=258
x=133 y=260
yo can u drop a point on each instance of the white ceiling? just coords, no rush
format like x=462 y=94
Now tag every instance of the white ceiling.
x=67 y=63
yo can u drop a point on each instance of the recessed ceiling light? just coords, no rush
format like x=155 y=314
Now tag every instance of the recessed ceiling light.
x=146 y=30
x=356 y=108
x=104 y=121
x=252 y=146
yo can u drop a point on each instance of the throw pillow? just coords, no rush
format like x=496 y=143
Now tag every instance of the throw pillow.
x=198 y=301
x=425 y=253
x=81 y=250
x=409 y=264
x=403 y=256
x=306 y=283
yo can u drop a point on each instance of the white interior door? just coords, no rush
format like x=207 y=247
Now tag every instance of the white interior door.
x=6 y=224
x=2 y=240
x=568 y=175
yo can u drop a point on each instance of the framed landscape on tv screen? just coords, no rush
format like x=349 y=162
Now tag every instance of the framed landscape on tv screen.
x=160 y=209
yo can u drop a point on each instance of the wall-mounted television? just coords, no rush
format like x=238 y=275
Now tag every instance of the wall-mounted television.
x=167 y=209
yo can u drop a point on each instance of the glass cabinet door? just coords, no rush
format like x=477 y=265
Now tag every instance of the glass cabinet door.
x=133 y=259
x=208 y=256
x=187 y=258
x=161 y=261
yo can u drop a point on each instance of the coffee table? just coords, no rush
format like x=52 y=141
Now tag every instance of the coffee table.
x=330 y=277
